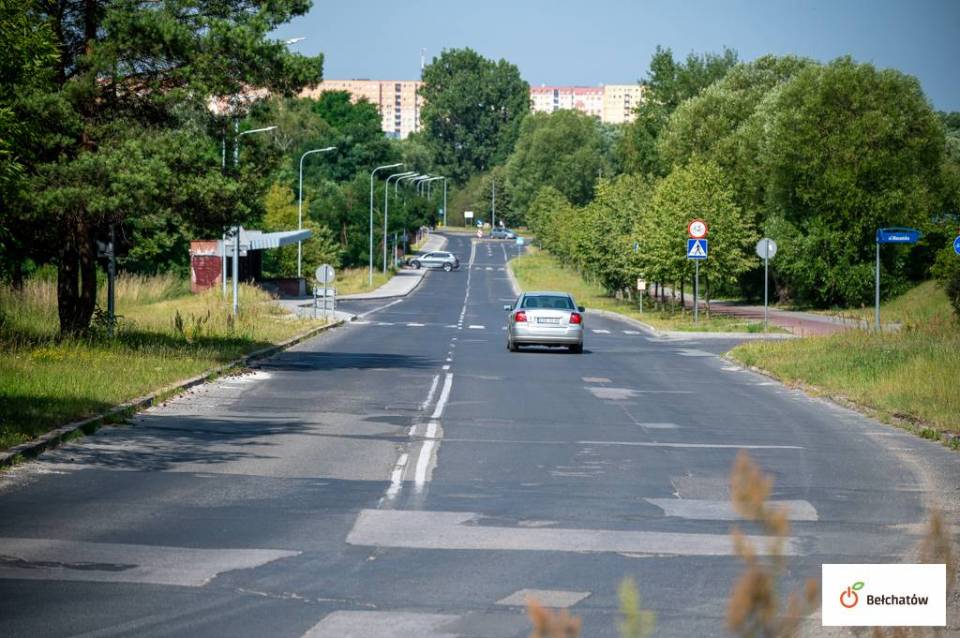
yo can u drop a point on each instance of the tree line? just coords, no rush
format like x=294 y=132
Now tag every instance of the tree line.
x=105 y=122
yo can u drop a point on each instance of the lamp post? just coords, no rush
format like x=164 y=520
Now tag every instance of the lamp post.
x=386 y=211
x=372 y=173
x=396 y=184
x=300 y=206
x=236 y=145
x=223 y=254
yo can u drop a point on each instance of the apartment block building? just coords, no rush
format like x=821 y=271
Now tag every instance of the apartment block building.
x=397 y=100
x=612 y=103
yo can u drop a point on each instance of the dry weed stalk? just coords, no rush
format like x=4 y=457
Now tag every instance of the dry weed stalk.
x=754 y=608
x=551 y=624
x=935 y=548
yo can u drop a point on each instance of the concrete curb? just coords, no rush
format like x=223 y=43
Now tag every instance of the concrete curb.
x=912 y=425
x=89 y=425
x=662 y=334
x=366 y=296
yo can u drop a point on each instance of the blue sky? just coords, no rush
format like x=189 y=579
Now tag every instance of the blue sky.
x=590 y=42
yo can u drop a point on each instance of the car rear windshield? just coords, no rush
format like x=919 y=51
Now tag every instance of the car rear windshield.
x=548 y=301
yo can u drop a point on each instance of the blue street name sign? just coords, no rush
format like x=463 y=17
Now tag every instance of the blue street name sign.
x=897 y=235
x=956 y=245
x=696 y=249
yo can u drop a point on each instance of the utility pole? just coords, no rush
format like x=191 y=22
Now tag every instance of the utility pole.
x=493 y=207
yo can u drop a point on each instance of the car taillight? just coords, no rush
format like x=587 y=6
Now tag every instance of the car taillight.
x=575 y=317
x=520 y=317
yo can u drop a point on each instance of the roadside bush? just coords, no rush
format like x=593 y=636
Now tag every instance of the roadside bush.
x=947 y=272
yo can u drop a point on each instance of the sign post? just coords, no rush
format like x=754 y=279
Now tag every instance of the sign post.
x=697 y=249
x=766 y=249
x=325 y=275
x=641 y=288
x=889 y=236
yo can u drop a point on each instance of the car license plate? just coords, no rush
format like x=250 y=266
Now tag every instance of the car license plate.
x=547 y=320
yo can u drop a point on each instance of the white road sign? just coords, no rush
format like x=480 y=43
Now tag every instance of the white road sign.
x=766 y=248
x=697 y=229
x=325 y=274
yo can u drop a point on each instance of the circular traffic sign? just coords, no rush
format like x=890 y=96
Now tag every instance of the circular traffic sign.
x=697 y=229
x=956 y=245
x=325 y=274
x=766 y=248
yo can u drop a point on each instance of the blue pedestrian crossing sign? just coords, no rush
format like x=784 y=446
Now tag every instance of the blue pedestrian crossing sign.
x=696 y=249
x=956 y=245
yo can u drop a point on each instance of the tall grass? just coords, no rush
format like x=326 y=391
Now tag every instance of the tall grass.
x=163 y=334
x=908 y=375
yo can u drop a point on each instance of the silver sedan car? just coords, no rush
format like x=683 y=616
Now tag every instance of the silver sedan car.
x=545 y=319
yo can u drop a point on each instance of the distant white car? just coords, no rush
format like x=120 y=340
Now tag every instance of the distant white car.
x=545 y=319
x=436 y=259
x=502 y=233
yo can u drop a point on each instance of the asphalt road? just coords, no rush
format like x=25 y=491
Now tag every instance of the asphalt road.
x=407 y=476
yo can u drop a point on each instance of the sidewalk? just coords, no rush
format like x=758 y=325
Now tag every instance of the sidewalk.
x=801 y=324
x=406 y=280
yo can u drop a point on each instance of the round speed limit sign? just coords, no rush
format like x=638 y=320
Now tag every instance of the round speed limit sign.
x=697 y=229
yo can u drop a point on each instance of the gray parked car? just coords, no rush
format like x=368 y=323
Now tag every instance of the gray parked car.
x=545 y=319
x=436 y=259
x=502 y=233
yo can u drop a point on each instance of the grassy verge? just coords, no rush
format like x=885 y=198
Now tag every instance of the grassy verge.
x=354 y=280
x=910 y=374
x=538 y=270
x=164 y=335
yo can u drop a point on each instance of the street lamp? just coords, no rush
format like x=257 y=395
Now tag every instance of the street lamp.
x=372 y=173
x=236 y=146
x=236 y=254
x=419 y=182
x=396 y=184
x=386 y=209
x=300 y=206
x=428 y=183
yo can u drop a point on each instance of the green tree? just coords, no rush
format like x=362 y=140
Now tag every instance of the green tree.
x=722 y=124
x=281 y=213
x=666 y=86
x=847 y=149
x=472 y=111
x=563 y=149
x=697 y=190
x=130 y=75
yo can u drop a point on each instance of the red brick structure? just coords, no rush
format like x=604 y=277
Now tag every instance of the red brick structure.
x=204 y=264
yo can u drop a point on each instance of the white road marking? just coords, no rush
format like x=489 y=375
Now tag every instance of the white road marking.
x=601 y=332
x=446 y=367
x=53 y=559
x=731 y=368
x=433 y=388
x=489 y=268
x=360 y=322
x=413 y=324
x=378 y=309
x=444 y=396
x=383 y=624
x=459 y=531
x=595 y=379
x=426 y=454
x=384 y=323
x=722 y=510
x=476 y=327
x=552 y=598
x=631 y=332
x=396 y=478
x=690 y=352
x=704 y=446
x=607 y=393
